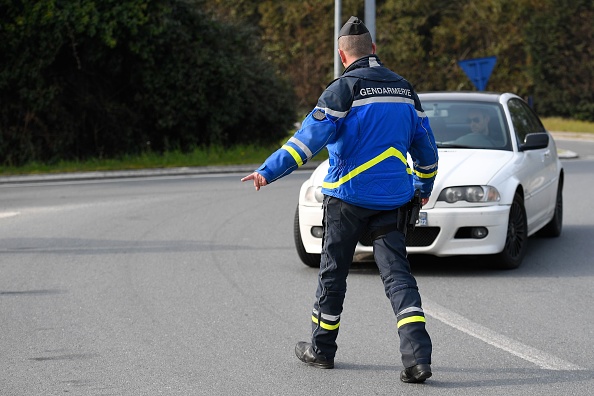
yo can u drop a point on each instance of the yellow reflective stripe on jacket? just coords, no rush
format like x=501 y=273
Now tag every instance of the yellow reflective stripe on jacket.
x=325 y=325
x=391 y=152
x=410 y=319
x=424 y=171
x=294 y=154
x=425 y=175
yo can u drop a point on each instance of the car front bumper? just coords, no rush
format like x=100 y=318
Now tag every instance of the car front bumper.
x=448 y=224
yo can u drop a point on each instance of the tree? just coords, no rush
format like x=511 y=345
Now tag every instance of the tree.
x=102 y=78
x=298 y=37
x=559 y=37
x=543 y=47
x=424 y=40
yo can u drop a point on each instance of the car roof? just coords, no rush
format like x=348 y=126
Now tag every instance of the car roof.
x=474 y=96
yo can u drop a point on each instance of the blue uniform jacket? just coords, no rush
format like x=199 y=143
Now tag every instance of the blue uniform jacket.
x=369 y=119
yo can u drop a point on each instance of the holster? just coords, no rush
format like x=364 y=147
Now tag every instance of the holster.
x=414 y=208
x=408 y=215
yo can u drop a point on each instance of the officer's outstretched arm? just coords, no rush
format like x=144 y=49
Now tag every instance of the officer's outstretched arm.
x=315 y=132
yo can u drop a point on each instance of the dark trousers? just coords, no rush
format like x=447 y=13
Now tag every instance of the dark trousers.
x=343 y=224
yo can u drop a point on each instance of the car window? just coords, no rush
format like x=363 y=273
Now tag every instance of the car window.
x=523 y=119
x=468 y=124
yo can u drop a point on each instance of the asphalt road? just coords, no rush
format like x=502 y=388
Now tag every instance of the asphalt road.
x=190 y=285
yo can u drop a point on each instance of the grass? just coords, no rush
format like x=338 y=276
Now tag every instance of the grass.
x=212 y=156
x=564 y=125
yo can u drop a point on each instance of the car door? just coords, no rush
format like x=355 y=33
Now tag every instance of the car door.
x=537 y=170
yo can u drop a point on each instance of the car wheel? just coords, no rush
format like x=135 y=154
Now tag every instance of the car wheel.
x=517 y=237
x=554 y=227
x=309 y=259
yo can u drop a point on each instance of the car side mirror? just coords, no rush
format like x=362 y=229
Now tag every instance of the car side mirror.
x=535 y=141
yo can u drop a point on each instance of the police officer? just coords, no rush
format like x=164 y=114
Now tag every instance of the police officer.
x=368 y=119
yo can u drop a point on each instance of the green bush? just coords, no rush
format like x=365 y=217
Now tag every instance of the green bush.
x=559 y=41
x=104 y=78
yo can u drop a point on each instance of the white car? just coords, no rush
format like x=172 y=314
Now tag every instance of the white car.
x=491 y=192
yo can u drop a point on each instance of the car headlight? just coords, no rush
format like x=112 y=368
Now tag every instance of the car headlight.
x=469 y=194
x=314 y=194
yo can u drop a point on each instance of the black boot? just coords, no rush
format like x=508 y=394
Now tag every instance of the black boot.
x=416 y=374
x=306 y=353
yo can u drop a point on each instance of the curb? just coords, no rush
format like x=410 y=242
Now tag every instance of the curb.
x=575 y=136
x=180 y=171
x=566 y=154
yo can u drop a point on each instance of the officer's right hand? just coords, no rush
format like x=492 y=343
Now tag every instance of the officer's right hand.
x=259 y=180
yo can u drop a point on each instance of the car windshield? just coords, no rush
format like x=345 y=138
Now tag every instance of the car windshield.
x=476 y=125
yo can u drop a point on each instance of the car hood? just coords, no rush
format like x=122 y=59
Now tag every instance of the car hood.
x=460 y=167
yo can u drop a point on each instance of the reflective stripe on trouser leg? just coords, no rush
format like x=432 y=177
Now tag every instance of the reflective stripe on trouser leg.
x=401 y=288
x=325 y=328
x=342 y=225
x=326 y=322
x=415 y=344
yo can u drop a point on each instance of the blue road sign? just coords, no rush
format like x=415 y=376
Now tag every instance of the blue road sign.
x=479 y=70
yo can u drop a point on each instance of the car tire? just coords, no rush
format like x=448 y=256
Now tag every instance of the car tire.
x=517 y=237
x=309 y=259
x=554 y=227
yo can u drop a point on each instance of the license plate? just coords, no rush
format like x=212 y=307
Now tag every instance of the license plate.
x=422 y=219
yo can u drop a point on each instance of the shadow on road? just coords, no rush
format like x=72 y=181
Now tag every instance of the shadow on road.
x=566 y=256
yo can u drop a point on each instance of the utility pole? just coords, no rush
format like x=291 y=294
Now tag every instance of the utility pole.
x=370 y=17
x=369 y=21
x=337 y=25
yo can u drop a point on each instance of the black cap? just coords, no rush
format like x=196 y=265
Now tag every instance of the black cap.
x=353 y=27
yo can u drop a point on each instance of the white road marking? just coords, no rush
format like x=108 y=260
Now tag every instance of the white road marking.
x=533 y=355
x=8 y=214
